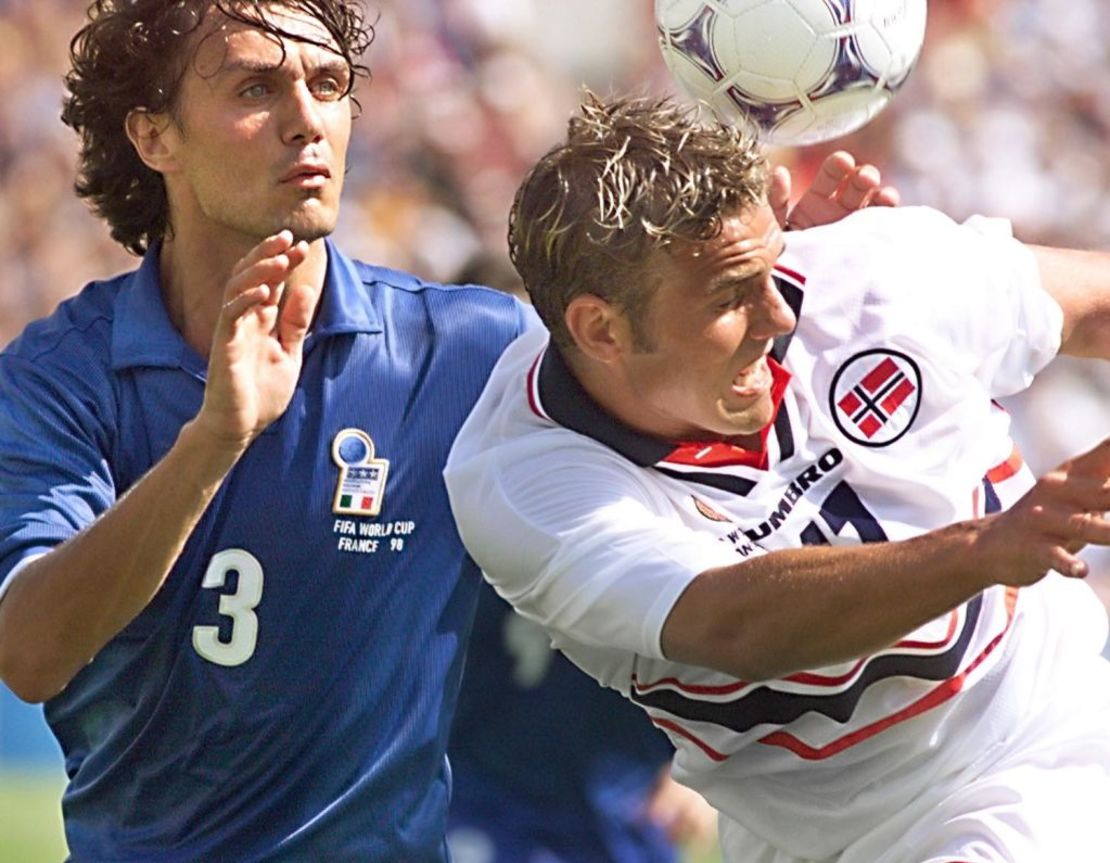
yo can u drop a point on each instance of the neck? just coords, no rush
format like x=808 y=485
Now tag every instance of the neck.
x=195 y=272
x=607 y=389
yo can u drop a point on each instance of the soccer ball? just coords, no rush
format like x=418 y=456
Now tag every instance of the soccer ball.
x=805 y=71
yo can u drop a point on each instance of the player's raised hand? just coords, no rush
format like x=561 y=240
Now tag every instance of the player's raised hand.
x=256 y=353
x=1064 y=512
x=840 y=187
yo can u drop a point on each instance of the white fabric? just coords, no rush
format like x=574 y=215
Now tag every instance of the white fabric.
x=597 y=549
x=18 y=568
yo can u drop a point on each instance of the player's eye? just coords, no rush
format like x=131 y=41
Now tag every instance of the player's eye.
x=730 y=299
x=328 y=88
x=255 y=91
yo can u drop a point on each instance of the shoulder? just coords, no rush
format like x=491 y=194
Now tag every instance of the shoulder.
x=474 y=305
x=903 y=237
x=72 y=345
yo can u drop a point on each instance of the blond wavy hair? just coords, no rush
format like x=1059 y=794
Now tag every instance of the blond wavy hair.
x=633 y=175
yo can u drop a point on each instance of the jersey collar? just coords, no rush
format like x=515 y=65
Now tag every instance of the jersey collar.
x=144 y=335
x=557 y=395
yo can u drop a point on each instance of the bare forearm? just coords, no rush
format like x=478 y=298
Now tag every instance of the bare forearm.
x=64 y=607
x=1080 y=282
x=806 y=608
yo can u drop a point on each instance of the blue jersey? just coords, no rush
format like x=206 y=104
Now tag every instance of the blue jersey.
x=548 y=765
x=287 y=694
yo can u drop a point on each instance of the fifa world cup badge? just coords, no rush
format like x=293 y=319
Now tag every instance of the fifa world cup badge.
x=361 y=485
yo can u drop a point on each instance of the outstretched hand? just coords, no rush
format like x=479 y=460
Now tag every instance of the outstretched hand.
x=256 y=353
x=1064 y=512
x=841 y=187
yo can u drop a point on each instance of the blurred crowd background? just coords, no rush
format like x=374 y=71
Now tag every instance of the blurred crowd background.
x=1007 y=113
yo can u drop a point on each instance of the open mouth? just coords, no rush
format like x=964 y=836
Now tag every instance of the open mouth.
x=753 y=380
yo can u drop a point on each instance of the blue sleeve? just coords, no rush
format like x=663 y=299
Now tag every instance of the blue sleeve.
x=55 y=476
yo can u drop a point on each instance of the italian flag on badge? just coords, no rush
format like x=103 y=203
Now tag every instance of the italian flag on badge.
x=362 y=477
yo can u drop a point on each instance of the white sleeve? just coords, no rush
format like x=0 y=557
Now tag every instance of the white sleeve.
x=968 y=295
x=1018 y=323
x=15 y=570
x=579 y=543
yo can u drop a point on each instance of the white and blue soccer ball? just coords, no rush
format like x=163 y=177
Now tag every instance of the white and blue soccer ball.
x=805 y=71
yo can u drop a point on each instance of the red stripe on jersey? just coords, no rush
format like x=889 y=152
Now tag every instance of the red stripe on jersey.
x=824 y=679
x=933 y=698
x=786 y=271
x=530 y=383
x=1008 y=468
x=682 y=732
x=694 y=688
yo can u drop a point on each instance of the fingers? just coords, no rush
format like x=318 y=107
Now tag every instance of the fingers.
x=778 y=193
x=1094 y=462
x=295 y=316
x=1067 y=564
x=841 y=186
x=272 y=245
x=1055 y=529
x=858 y=188
x=258 y=277
x=835 y=169
x=886 y=196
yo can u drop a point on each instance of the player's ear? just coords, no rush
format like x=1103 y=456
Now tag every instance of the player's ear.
x=154 y=137
x=599 y=328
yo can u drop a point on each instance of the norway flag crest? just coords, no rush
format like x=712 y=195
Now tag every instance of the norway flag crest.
x=875 y=397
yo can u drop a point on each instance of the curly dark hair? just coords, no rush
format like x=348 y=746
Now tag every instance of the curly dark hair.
x=633 y=175
x=131 y=55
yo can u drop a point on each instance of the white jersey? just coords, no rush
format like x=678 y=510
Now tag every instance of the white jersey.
x=909 y=325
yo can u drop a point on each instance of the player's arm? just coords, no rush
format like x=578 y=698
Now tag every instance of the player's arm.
x=1080 y=283
x=810 y=607
x=62 y=608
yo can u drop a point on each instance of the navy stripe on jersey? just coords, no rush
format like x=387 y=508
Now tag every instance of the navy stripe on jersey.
x=790 y=286
x=784 y=433
x=724 y=481
x=991 y=501
x=762 y=706
x=566 y=402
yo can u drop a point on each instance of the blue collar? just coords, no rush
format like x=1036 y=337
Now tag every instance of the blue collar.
x=143 y=335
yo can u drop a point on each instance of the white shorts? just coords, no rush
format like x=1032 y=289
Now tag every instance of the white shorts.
x=1045 y=799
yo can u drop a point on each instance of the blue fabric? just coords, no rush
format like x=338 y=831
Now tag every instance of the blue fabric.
x=548 y=765
x=328 y=743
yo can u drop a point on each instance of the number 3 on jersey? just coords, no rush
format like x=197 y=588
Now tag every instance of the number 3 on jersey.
x=238 y=605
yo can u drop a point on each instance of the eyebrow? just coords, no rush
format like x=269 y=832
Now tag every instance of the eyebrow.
x=257 y=67
x=733 y=281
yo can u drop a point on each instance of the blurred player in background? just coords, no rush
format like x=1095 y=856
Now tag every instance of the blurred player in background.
x=758 y=483
x=227 y=564
x=548 y=765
